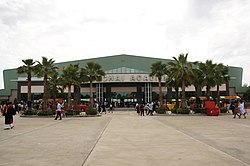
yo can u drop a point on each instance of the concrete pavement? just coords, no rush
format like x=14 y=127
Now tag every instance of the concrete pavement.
x=124 y=138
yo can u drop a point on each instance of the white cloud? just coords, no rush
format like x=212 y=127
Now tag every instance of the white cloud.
x=77 y=29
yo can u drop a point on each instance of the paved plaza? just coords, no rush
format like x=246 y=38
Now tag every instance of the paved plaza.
x=124 y=138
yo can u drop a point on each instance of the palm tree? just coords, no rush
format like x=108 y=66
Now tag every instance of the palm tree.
x=181 y=70
x=45 y=70
x=54 y=87
x=27 y=68
x=159 y=69
x=77 y=88
x=69 y=77
x=173 y=83
x=208 y=76
x=221 y=77
x=92 y=72
x=196 y=80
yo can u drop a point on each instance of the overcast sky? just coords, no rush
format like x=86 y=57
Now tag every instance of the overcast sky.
x=67 y=30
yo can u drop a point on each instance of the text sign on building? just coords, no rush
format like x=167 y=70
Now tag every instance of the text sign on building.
x=131 y=78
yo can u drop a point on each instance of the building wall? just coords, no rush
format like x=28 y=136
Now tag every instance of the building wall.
x=110 y=63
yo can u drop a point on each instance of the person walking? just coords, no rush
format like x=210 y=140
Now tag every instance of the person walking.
x=8 y=112
x=103 y=108
x=142 y=109
x=150 y=108
x=228 y=106
x=111 y=107
x=98 y=107
x=242 y=109
x=137 y=108
x=235 y=109
x=154 y=107
x=58 y=111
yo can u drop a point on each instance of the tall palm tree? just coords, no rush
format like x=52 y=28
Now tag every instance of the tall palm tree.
x=45 y=69
x=221 y=77
x=77 y=88
x=92 y=72
x=69 y=77
x=173 y=83
x=54 y=87
x=27 y=68
x=159 y=69
x=181 y=69
x=208 y=75
x=196 y=80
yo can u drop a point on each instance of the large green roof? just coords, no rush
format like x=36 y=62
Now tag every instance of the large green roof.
x=118 y=61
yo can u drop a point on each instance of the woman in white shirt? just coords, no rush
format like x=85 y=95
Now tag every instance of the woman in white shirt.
x=242 y=109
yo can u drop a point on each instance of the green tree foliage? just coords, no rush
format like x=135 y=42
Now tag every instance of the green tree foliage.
x=54 y=87
x=173 y=83
x=181 y=70
x=196 y=79
x=69 y=77
x=92 y=72
x=45 y=69
x=221 y=77
x=158 y=69
x=246 y=95
x=27 y=68
x=208 y=76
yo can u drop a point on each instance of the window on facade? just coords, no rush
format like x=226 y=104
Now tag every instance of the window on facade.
x=124 y=70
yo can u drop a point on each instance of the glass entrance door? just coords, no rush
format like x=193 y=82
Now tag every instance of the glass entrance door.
x=124 y=96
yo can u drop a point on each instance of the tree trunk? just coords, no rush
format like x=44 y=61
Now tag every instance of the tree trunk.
x=169 y=95
x=91 y=95
x=54 y=104
x=177 y=97
x=198 y=91
x=29 y=92
x=160 y=90
x=218 y=95
x=76 y=95
x=69 y=98
x=208 y=93
x=45 y=93
x=183 y=97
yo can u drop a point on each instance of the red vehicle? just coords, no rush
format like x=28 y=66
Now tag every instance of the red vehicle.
x=82 y=107
x=211 y=108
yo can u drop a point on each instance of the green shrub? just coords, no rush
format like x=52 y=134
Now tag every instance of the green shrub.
x=174 y=110
x=45 y=113
x=30 y=113
x=161 y=110
x=91 y=111
x=182 y=111
x=223 y=110
x=69 y=113
x=200 y=110
x=72 y=112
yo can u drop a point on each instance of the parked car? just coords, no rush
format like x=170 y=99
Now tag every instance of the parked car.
x=82 y=107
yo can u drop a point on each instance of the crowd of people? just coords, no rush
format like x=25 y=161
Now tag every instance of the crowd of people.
x=8 y=110
x=101 y=107
x=237 y=108
x=149 y=108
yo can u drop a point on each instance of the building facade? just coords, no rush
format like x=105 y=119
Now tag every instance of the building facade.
x=126 y=82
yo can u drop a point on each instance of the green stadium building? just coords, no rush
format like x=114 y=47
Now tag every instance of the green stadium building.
x=127 y=81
